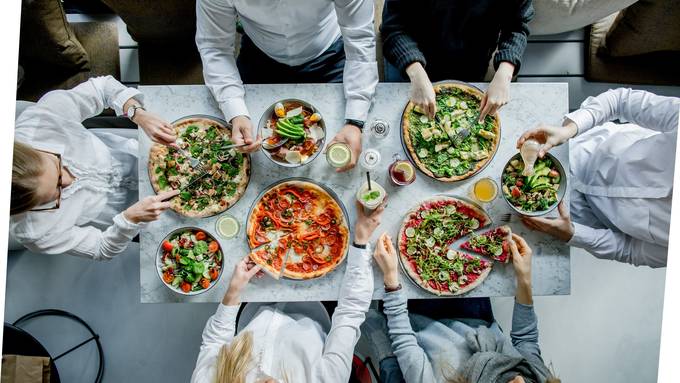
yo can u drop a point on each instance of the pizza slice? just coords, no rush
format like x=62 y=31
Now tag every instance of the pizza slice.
x=467 y=272
x=271 y=256
x=492 y=243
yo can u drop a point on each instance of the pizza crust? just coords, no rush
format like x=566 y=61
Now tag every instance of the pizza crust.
x=405 y=125
x=157 y=154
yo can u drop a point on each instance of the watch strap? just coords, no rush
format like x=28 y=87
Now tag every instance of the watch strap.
x=358 y=123
x=364 y=246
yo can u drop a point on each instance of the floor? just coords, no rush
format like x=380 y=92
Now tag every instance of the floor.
x=608 y=329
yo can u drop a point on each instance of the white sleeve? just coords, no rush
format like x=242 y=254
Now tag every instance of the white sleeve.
x=90 y=98
x=355 y=298
x=642 y=108
x=360 y=75
x=219 y=331
x=215 y=34
x=87 y=241
x=609 y=244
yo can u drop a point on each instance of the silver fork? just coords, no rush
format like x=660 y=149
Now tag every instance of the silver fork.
x=506 y=218
x=195 y=163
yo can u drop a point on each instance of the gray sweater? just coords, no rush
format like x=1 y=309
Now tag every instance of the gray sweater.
x=428 y=350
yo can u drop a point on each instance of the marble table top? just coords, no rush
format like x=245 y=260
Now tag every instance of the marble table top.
x=531 y=103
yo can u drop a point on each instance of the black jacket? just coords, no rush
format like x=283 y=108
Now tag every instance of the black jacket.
x=454 y=39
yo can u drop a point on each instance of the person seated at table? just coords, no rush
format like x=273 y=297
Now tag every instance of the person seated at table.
x=69 y=185
x=459 y=341
x=315 y=41
x=621 y=176
x=295 y=341
x=441 y=40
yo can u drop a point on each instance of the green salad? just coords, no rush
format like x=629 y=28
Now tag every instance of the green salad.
x=454 y=142
x=537 y=192
x=190 y=261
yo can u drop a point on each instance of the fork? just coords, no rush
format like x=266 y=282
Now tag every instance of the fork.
x=195 y=163
x=506 y=218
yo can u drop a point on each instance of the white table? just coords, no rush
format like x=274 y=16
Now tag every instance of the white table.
x=530 y=104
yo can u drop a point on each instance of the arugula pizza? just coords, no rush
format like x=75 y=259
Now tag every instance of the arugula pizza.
x=426 y=234
x=453 y=145
x=493 y=244
x=202 y=193
x=305 y=224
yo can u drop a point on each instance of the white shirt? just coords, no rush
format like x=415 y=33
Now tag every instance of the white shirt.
x=623 y=175
x=102 y=179
x=293 y=339
x=292 y=32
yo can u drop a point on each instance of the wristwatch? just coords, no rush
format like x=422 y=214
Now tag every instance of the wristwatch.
x=358 y=246
x=359 y=124
x=130 y=113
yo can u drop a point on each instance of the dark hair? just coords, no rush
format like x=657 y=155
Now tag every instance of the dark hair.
x=26 y=168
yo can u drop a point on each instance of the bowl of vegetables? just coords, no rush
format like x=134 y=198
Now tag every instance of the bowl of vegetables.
x=293 y=133
x=536 y=194
x=189 y=261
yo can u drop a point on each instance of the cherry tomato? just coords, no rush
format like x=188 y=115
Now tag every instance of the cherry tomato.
x=200 y=236
x=519 y=183
x=515 y=192
x=186 y=287
x=213 y=246
x=167 y=246
x=214 y=274
x=205 y=283
x=167 y=277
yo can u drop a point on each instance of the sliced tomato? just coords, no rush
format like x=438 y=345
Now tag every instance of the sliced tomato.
x=185 y=287
x=213 y=246
x=519 y=183
x=200 y=236
x=168 y=277
x=214 y=274
x=516 y=193
x=167 y=246
x=205 y=283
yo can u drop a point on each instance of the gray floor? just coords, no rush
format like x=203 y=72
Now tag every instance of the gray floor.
x=608 y=329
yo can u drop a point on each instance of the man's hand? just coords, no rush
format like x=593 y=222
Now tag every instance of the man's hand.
x=155 y=127
x=498 y=92
x=367 y=223
x=549 y=136
x=521 y=261
x=243 y=273
x=149 y=208
x=242 y=133
x=422 y=92
x=350 y=135
x=560 y=227
x=386 y=257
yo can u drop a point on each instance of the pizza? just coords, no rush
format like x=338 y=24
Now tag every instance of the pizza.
x=271 y=256
x=493 y=244
x=427 y=232
x=453 y=145
x=303 y=219
x=202 y=194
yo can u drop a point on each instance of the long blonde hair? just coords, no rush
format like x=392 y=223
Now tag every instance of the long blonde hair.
x=235 y=360
x=26 y=168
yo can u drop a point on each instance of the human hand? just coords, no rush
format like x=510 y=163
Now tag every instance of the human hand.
x=367 y=222
x=521 y=261
x=549 y=136
x=350 y=135
x=155 y=127
x=560 y=227
x=386 y=257
x=498 y=92
x=422 y=93
x=242 y=133
x=243 y=273
x=149 y=208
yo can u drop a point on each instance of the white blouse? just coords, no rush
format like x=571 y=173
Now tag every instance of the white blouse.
x=622 y=175
x=295 y=340
x=89 y=222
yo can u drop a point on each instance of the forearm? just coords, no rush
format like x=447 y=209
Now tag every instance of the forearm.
x=513 y=37
x=523 y=295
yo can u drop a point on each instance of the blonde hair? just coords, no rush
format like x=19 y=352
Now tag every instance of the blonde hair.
x=234 y=360
x=26 y=168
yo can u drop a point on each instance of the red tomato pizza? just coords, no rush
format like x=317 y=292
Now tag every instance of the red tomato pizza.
x=493 y=244
x=424 y=239
x=304 y=222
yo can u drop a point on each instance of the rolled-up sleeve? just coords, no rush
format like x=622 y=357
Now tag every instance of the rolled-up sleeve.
x=215 y=39
x=360 y=75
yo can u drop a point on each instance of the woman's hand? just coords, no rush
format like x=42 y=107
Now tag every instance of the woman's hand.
x=521 y=261
x=549 y=136
x=242 y=133
x=422 y=92
x=498 y=92
x=560 y=227
x=350 y=135
x=155 y=127
x=367 y=223
x=243 y=273
x=386 y=257
x=150 y=208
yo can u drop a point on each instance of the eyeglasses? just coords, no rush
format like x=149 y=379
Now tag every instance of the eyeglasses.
x=59 y=185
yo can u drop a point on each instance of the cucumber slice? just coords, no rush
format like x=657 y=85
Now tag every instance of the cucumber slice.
x=410 y=232
x=474 y=223
x=429 y=242
x=451 y=254
x=438 y=231
x=444 y=276
x=410 y=250
x=498 y=250
x=424 y=119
